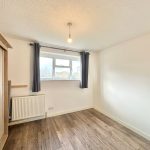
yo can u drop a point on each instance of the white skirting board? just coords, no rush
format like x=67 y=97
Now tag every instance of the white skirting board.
x=48 y=115
x=80 y=109
x=52 y=114
x=134 y=129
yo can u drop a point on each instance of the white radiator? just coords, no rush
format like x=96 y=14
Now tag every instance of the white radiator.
x=25 y=107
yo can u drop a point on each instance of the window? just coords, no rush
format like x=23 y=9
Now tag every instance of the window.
x=46 y=65
x=59 y=67
x=62 y=73
x=75 y=70
x=62 y=62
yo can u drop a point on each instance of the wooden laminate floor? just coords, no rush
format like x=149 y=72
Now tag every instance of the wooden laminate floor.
x=83 y=130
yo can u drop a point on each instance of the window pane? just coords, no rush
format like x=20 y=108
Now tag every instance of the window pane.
x=46 y=67
x=76 y=70
x=62 y=62
x=62 y=73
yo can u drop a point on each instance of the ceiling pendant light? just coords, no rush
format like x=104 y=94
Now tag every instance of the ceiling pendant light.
x=69 y=40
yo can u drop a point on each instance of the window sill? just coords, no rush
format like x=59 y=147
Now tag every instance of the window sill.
x=44 y=80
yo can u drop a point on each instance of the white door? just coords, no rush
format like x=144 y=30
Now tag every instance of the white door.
x=1 y=95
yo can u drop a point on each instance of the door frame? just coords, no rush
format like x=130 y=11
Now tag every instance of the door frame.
x=4 y=46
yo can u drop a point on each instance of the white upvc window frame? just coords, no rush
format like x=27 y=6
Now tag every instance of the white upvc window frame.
x=60 y=56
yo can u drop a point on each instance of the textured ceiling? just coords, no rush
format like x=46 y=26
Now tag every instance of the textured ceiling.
x=97 y=24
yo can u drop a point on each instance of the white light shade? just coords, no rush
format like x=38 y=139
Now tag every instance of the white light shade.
x=69 y=40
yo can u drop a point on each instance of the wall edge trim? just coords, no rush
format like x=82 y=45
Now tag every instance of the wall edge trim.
x=127 y=125
x=68 y=111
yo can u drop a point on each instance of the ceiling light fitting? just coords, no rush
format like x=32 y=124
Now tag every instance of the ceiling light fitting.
x=69 y=40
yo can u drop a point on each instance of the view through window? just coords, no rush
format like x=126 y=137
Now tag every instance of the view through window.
x=59 y=67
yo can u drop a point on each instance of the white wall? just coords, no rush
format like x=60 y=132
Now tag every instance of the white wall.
x=124 y=84
x=120 y=89
x=64 y=96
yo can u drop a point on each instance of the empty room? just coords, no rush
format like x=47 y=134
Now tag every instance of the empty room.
x=74 y=74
